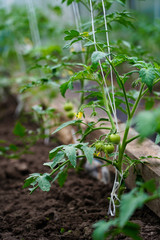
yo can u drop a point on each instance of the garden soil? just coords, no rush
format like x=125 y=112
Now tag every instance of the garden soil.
x=66 y=213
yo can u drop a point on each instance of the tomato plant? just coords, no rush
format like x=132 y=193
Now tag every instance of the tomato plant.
x=99 y=67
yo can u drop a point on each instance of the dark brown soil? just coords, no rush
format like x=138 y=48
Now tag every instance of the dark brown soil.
x=63 y=213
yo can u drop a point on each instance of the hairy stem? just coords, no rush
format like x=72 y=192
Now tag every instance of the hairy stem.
x=106 y=104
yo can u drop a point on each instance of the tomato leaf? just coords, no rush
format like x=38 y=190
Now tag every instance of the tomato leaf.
x=44 y=182
x=66 y=124
x=97 y=56
x=88 y=152
x=62 y=177
x=71 y=34
x=129 y=203
x=101 y=228
x=58 y=158
x=54 y=151
x=70 y=151
x=65 y=86
x=19 y=130
x=132 y=230
x=147 y=75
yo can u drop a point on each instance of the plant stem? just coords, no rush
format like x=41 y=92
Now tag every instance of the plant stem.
x=125 y=141
x=55 y=170
x=106 y=104
x=61 y=165
x=138 y=100
x=122 y=85
x=82 y=94
x=93 y=129
x=101 y=158
x=132 y=139
x=146 y=90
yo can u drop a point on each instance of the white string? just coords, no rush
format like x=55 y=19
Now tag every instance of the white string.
x=33 y=23
x=116 y=184
x=78 y=24
x=111 y=70
x=94 y=40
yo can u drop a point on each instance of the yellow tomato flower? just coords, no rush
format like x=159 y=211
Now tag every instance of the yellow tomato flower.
x=85 y=34
x=96 y=154
x=79 y=115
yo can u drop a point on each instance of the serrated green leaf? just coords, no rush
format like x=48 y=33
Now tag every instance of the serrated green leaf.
x=150 y=186
x=19 y=130
x=44 y=182
x=101 y=229
x=31 y=179
x=62 y=178
x=129 y=203
x=66 y=124
x=147 y=75
x=70 y=151
x=28 y=182
x=58 y=158
x=88 y=152
x=71 y=34
x=97 y=56
x=132 y=230
x=65 y=86
x=54 y=151
x=56 y=177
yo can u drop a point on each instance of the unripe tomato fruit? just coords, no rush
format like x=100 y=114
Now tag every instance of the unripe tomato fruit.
x=70 y=114
x=108 y=148
x=68 y=106
x=99 y=146
x=114 y=138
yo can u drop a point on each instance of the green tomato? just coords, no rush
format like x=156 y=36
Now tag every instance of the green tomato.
x=114 y=138
x=98 y=146
x=70 y=114
x=108 y=148
x=68 y=106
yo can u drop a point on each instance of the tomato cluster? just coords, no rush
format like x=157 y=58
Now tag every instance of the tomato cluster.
x=108 y=146
x=68 y=107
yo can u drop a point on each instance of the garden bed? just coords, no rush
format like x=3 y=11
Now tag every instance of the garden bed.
x=63 y=213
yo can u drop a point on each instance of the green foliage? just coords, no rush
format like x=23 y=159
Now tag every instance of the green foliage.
x=147 y=122
x=66 y=124
x=88 y=152
x=97 y=56
x=148 y=76
x=129 y=203
x=19 y=130
x=130 y=67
